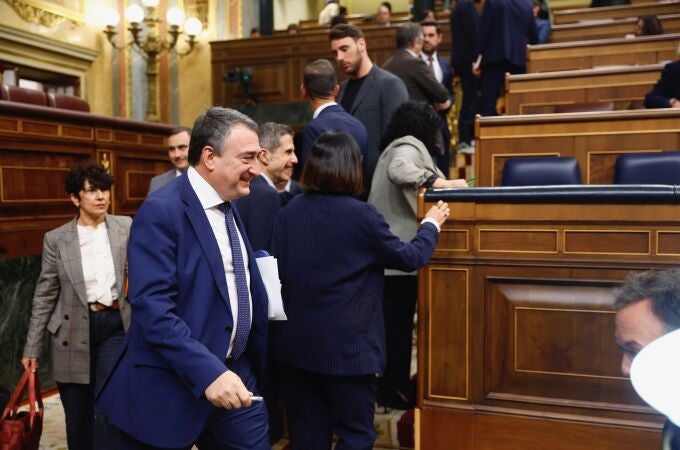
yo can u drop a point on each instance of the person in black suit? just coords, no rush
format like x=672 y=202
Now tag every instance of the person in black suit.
x=332 y=347
x=441 y=67
x=666 y=91
x=405 y=63
x=464 y=21
x=320 y=87
x=507 y=26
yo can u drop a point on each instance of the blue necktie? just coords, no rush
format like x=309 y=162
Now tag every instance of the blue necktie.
x=243 y=321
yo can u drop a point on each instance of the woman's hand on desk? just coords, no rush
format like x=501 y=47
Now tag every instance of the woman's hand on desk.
x=441 y=183
x=439 y=212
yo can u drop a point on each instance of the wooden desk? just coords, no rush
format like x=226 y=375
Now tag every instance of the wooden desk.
x=39 y=144
x=603 y=52
x=516 y=324
x=616 y=12
x=594 y=139
x=607 y=29
x=539 y=93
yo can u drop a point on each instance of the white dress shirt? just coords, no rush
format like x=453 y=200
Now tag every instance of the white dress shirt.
x=99 y=273
x=210 y=201
x=438 y=74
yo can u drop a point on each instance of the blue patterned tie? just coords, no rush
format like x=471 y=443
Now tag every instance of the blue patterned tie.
x=243 y=320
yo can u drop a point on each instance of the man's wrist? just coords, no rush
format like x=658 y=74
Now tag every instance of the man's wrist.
x=432 y=221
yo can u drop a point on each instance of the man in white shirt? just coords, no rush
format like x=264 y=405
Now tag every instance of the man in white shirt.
x=178 y=152
x=196 y=347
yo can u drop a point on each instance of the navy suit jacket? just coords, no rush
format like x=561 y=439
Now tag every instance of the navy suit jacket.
x=333 y=117
x=334 y=306
x=666 y=88
x=181 y=324
x=259 y=209
x=506 y=27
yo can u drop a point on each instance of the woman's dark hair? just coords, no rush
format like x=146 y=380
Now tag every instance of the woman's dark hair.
x=334 y=165
x=651 y=25
x=93 y=172
x=416 y=119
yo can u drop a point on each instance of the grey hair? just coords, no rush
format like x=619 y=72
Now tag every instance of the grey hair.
x=407 y=34
x=270 y=135
x=213 y=127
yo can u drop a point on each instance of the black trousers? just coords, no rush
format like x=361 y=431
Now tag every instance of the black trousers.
x=399 y=307
x=493 y=77
x=318 y=406
x=470 y=106
x=86 y=428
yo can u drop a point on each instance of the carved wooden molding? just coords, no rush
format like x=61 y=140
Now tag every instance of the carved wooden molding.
x=34 y=14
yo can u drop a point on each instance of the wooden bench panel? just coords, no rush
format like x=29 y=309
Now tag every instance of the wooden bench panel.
x=607 y=29
x=39 y=144
x=539 y=93
x=616 y=12
x=510 y=337
x=604 y=52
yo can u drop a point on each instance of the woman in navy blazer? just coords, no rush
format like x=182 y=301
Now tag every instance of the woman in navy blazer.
x=332 y=250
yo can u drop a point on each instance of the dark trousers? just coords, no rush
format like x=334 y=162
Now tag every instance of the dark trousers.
x=469 y=107
x=225 y=429
x=399 y=307
x=318 y=406
x=493 y=77
x=444 y=158
x=86 y=428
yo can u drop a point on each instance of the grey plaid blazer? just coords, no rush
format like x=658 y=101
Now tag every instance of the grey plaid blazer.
x=60 y=303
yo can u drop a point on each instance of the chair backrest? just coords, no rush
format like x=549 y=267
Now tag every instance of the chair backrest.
x=636 y=104
x=648 y=168
x=67 y=102
x=23 y=95
x=585 y=107
x=541 y=171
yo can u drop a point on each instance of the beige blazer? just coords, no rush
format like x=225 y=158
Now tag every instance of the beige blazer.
x=60 y=303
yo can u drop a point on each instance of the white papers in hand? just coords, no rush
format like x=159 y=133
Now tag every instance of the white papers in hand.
x=270 y=276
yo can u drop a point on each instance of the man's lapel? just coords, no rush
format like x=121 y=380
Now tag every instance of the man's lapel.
x=199 y=222
x=366 y=87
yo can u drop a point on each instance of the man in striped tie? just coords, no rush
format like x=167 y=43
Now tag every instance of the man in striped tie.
x=196 y=346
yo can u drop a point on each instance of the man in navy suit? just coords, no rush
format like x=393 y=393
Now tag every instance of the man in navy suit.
x=506 y=27
x=197 y=339
x=371 y=94
x=441 y=67
x=277 y=160
x=320 y=87
x=464 y=21
x=178 y=150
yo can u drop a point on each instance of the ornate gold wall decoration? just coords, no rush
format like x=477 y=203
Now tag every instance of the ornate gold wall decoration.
x=48 y=13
